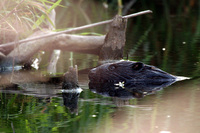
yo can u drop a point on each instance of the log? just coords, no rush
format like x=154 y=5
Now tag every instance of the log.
x=71 y=79
x=114 y=43
x=75 y=43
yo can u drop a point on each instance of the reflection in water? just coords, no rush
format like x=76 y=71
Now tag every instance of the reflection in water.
x=70 y=99
x=128 y=91
x=71 y=89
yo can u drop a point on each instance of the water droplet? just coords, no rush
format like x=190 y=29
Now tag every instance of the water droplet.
x=94 y=116
x=168 y=116
x=164 y=132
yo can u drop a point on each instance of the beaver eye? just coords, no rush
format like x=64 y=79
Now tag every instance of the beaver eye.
x=138 y=66
x=111 y=67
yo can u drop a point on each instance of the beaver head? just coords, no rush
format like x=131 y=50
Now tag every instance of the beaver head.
x=128 y=71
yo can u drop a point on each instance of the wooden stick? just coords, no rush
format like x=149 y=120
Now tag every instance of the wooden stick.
x=77 y=28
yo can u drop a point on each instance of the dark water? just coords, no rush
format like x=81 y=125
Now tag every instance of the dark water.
x=168 y=39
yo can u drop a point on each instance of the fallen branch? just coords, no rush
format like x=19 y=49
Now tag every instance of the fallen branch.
x=75 y=43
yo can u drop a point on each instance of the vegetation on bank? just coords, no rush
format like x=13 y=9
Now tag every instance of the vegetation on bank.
x=19 y=18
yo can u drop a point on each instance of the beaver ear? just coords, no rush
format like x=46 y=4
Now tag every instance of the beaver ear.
x=138 y=66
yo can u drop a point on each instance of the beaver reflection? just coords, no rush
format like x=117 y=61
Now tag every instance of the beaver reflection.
x=126 y=91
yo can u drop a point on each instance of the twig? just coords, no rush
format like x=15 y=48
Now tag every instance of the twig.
x=77 y=28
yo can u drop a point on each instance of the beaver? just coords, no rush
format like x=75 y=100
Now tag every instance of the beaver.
x=128 y=71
